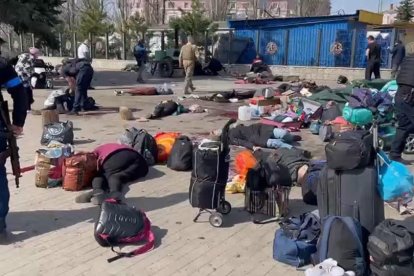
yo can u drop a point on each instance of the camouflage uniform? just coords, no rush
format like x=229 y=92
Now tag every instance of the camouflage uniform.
x=187 y=59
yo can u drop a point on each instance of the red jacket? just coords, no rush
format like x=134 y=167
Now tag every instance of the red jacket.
x=106 y=150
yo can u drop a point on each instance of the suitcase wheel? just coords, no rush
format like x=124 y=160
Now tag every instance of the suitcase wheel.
x=224 y=208
x=409 y=145
x=216 y=219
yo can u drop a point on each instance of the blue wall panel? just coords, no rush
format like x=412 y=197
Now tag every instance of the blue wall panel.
x=250 y=52
x=278 y=37
x=302 y=46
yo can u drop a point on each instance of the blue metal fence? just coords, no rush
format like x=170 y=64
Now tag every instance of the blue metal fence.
x=327 y=42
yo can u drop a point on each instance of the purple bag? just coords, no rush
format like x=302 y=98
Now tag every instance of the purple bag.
x=361 y=97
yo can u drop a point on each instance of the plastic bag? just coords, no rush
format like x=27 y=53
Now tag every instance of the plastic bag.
x=395 y=180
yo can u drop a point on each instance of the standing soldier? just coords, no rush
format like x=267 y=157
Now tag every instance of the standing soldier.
x=141 y=57
x=188 y=57
x=13 y=84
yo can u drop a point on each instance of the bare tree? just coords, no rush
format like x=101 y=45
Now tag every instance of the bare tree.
x=314 y=7
x=218 y=9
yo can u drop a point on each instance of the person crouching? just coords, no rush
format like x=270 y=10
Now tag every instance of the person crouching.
x=118 y=165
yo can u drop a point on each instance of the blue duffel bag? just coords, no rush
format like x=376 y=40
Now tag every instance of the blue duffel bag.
x=295 y=241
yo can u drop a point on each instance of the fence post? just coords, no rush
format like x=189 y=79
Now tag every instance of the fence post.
x=205 y=44
x=92 y=50
x=106 y=46
x=21 y=42
x=123 y=46
x=10 y=41
x=353 y=46
x=75 y=48
x=257 y=42
x=230 y=46
x=33 y=40
x=47 y=51
x=318 y=47
x=60 y=45
x=285 y=59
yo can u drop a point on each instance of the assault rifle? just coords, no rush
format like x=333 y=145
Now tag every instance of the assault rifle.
x=7 y=132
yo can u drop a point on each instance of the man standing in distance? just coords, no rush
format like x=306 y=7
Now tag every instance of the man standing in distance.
x=398 y=54
x=188 y=57
x=373 y=54
x=84 y=53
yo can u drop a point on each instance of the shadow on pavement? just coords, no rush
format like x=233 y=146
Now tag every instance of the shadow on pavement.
x=148 y=204
x=34 y=223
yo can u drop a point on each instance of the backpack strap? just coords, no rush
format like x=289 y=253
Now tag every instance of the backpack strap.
x=146 y=234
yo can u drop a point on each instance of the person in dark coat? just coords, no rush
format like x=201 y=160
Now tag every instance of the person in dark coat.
x=373 y=54
x=398 y=54
x=80 y=72
x=404 y=108
x=260 y=136
x=118 y=165
x=14 y=86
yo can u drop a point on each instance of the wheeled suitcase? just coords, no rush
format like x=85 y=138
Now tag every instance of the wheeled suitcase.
x=351 y=193
x=209 y=176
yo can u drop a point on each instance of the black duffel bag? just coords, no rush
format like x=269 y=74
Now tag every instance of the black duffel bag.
x=61 y=132
x=181 y=156
x=391 y=249
x=350 y=150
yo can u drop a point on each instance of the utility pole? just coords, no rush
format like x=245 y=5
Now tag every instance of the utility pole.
x=163 y=11
x=379 y=6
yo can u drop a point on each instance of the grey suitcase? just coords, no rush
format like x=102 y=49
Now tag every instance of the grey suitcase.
x=351 y=193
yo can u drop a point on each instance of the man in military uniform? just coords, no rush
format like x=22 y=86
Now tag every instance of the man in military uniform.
x=188 y=57
x=13 y=84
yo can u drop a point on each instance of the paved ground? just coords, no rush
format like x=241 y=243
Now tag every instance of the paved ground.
x=52 y=235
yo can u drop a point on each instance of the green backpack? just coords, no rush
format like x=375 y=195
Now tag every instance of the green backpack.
x=357 y=116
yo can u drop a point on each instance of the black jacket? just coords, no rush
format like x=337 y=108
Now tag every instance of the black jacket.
x=13 y=84
x=250 y=136
x=72 y=67
x=406 y=75
x=398 y=54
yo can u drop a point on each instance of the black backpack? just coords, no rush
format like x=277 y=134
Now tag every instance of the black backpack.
x=341 y=239
x=119 y=225
x=142 y=142
x=350 y=150
x=181 y=156
x=391 y=249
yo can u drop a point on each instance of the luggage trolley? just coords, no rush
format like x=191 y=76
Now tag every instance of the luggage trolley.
x=211 y=163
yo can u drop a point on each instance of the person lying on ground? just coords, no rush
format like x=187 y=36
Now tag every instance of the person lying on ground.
x=258 y=136
x=118 y=165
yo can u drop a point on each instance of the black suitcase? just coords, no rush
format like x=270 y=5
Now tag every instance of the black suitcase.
x=211 y=162
x=351 y=193
x=209 y=176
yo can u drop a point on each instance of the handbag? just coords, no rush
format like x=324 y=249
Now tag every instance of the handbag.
x=61 y=132
x=79 y=171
